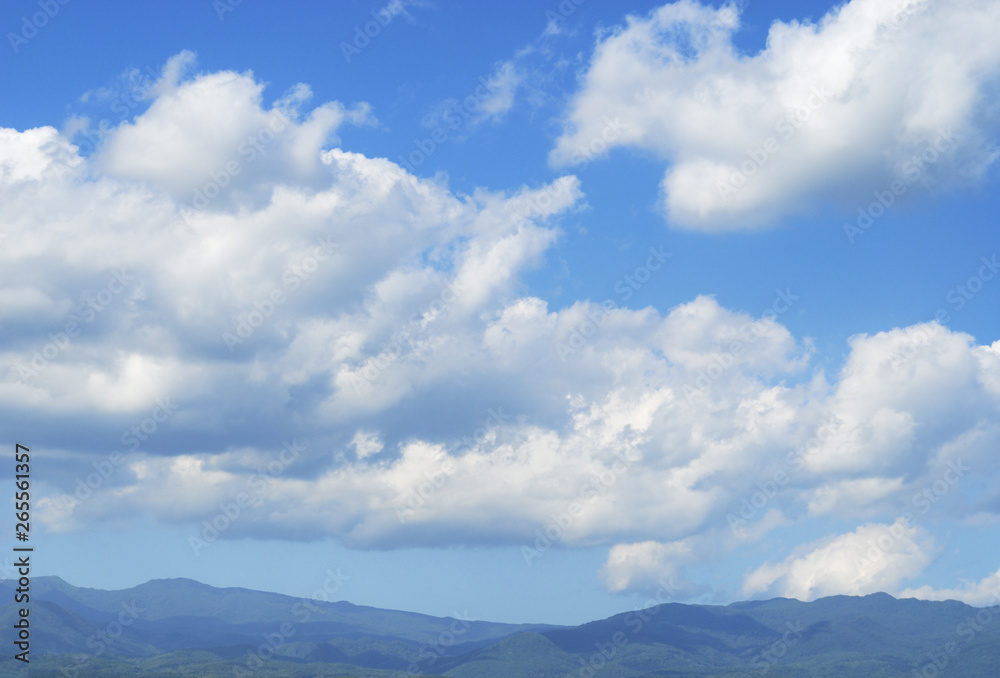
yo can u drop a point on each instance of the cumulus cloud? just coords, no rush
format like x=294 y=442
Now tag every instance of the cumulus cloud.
x=377 y=323
x=878 y=91
x=650 y=567
x=848 y=496
x=875 y=557
x=640 y=468
x=985 y=592
x=896 y=391
x=207 y=134
x=141 y=282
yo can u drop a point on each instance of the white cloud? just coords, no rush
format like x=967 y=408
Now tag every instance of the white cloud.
x=28 y=301
x=366 y=443
x=691 y=455
x=503 y=86
x=825 y=113
x=211 y=133
x=846 y=497
x=648 y=567
x=400 y=324
x=28 y=154
x=985 y=592
x=875 y=557
x=901 y=390
x=346 y=241
x=489 y=101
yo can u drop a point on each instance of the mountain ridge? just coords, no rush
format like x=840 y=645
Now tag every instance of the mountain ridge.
x=181 y=627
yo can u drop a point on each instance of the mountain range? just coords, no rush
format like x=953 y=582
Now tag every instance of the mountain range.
x=179 y=627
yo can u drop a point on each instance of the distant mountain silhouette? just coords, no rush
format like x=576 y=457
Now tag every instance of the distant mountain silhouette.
x=179 y=627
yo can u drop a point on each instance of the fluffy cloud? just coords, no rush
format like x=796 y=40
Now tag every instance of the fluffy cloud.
x=903 y=391
x=985 y=592
x=615 y=463
x=875 y=557
x=211 y=133
x=826 y=112
x=374 y=322
x=648 y=567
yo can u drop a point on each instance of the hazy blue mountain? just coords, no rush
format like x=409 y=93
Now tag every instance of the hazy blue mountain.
x=179 y=627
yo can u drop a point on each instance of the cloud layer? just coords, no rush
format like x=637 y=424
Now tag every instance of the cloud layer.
x=877 y=92
x=875 y=557
x=330 y=343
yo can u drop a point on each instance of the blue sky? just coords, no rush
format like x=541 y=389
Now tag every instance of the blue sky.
x=396 y=304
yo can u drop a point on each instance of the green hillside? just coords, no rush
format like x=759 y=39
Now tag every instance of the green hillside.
x=180 y=628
